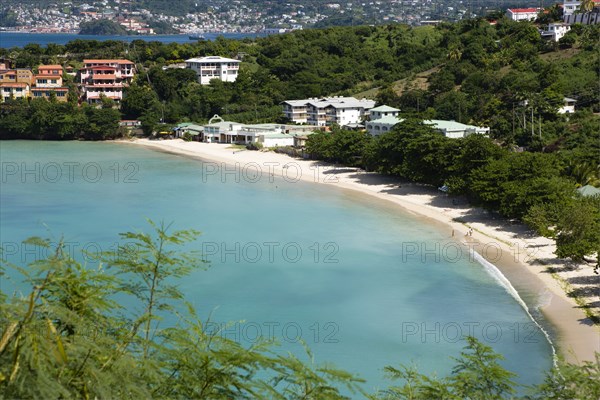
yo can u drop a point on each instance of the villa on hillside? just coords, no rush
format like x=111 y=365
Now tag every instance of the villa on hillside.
x=49 y=81
x=327 y=110
x=555 y=31
x=105 y=78
x=268 y=135
x=523 y=14
x=214 y=67
x=568 y=106
x=384 y=118
x=22 y=83
x=15 y=84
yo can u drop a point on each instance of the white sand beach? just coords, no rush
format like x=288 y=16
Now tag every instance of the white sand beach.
x=526 y=259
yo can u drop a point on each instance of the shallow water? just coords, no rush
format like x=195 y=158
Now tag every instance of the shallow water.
x=362 y=285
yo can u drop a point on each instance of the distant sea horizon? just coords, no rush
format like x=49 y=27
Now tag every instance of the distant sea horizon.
x=20 y=39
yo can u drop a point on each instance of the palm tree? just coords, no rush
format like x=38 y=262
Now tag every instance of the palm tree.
x=586 y=6
x=455 y=54
x=584 y=173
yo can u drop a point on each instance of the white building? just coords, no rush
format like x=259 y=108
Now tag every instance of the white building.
x=555 y=31
x=522 y=14
x=214 y=67
x=383 y=111
x=327 y=111
x=568 y=106
x=268 y=135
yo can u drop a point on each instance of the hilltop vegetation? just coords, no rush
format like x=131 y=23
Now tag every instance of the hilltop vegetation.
x=101 y=27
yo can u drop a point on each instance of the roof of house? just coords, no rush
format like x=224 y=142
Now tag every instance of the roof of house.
x=387 y=120
x=16 y=84
x=295 y=103
x=452 y=126
x=385 y=108
x=341 y=102
x=568 y=99
x=95 y=61
x=589 y=190
x=212 y=59
x=335 y=102
x=223 y=125
x=523 y=10
x=52 y=66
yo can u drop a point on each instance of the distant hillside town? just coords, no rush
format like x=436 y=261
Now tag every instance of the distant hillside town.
x=242 y=16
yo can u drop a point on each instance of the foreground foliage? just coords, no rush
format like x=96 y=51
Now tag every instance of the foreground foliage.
x=70 y=338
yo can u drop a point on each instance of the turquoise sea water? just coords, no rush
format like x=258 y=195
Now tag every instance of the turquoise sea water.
x=364 y=285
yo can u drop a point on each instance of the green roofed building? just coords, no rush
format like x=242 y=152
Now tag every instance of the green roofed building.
x=589 y=191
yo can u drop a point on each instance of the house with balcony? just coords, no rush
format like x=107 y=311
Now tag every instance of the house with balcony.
x=327 y=111
x=54 y=70
x=16 y=90
x=523 y=14
x=105 y=78
x=555 y=31
x=19 y=75
x=48 y=82
x=214 y=67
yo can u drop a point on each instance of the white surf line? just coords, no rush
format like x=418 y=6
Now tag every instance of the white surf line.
x=499 y=277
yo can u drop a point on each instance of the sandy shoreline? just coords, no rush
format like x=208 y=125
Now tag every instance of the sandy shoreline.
x=523 y=258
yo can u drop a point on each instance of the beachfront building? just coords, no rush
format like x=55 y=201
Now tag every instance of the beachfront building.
x=384 y=118
x=214 y=67
x=327 y=110
x=268 y=135
x=105 y=78
x=17 y=90
x=523 y=14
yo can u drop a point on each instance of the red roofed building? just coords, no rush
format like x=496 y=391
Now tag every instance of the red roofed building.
x=50 y=70
x=523 y=14
x=15 y=90
x=49 y=81
x=105 y=78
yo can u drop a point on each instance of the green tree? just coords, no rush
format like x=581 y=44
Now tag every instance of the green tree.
x=476 y=375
